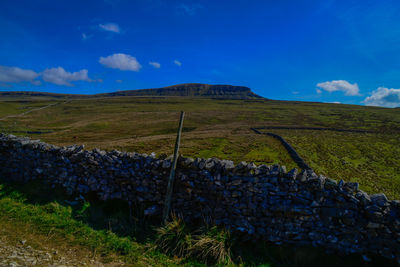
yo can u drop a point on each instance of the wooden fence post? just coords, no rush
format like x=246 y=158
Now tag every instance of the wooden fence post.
x=167 y=203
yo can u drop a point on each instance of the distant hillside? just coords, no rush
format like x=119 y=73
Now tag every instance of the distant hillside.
x=185 y=90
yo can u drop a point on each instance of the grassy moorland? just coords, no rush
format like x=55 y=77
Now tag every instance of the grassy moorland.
x=221 y=128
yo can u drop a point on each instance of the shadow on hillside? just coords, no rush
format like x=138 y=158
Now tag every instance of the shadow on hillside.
x=118 y=217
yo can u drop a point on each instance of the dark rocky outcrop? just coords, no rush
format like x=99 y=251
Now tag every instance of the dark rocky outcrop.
x=261 y=202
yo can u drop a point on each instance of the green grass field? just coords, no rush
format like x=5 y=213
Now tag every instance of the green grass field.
x=221 y=128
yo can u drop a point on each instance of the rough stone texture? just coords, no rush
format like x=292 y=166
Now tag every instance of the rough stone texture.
x=261 y=202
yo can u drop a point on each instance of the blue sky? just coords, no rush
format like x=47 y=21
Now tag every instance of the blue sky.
x=327 y=51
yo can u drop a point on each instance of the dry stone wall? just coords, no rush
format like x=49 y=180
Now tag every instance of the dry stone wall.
x=260 y=202
x=292 y=152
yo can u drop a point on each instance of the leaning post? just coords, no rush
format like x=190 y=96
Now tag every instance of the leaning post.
x=170 y=187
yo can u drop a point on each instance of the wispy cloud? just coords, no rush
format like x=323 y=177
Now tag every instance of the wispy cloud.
x=110 y=27
x=60 y=76
x=384 y=97
x=84 y=36
x=339 y=85
x=121 y=61
x=177 y=62
x=189 y=9
x=18 y=75
x=118 y=81
x=155 y=64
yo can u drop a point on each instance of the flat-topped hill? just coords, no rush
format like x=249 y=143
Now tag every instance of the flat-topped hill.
x=181 y=90
x=193 y=90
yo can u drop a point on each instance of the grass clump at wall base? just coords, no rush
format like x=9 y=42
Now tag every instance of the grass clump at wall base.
x=174 y=238
x=210 y=246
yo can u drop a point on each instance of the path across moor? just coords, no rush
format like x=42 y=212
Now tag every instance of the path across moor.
x=31 y=110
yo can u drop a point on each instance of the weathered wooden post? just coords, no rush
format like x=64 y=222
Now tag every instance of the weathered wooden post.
x=170 y=187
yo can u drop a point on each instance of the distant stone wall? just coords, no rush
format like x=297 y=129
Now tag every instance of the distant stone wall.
x=261 y=202
x=292 y=152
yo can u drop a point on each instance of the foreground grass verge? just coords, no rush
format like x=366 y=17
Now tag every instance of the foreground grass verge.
x=59 y=221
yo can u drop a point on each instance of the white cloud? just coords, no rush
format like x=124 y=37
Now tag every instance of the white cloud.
x=155 y=64
x=295 y=92
x=110 y=27
x=57 y=76
x=177 y=62
x=18 y=75
x=384 y=97
x=319 y=91
x=118 y=81
x=121 y=61
x=340 y=85
x=60 y=76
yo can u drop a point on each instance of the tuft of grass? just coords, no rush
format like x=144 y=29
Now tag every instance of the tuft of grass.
x=207 y=245
x=213 y=246
x=174 y=238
